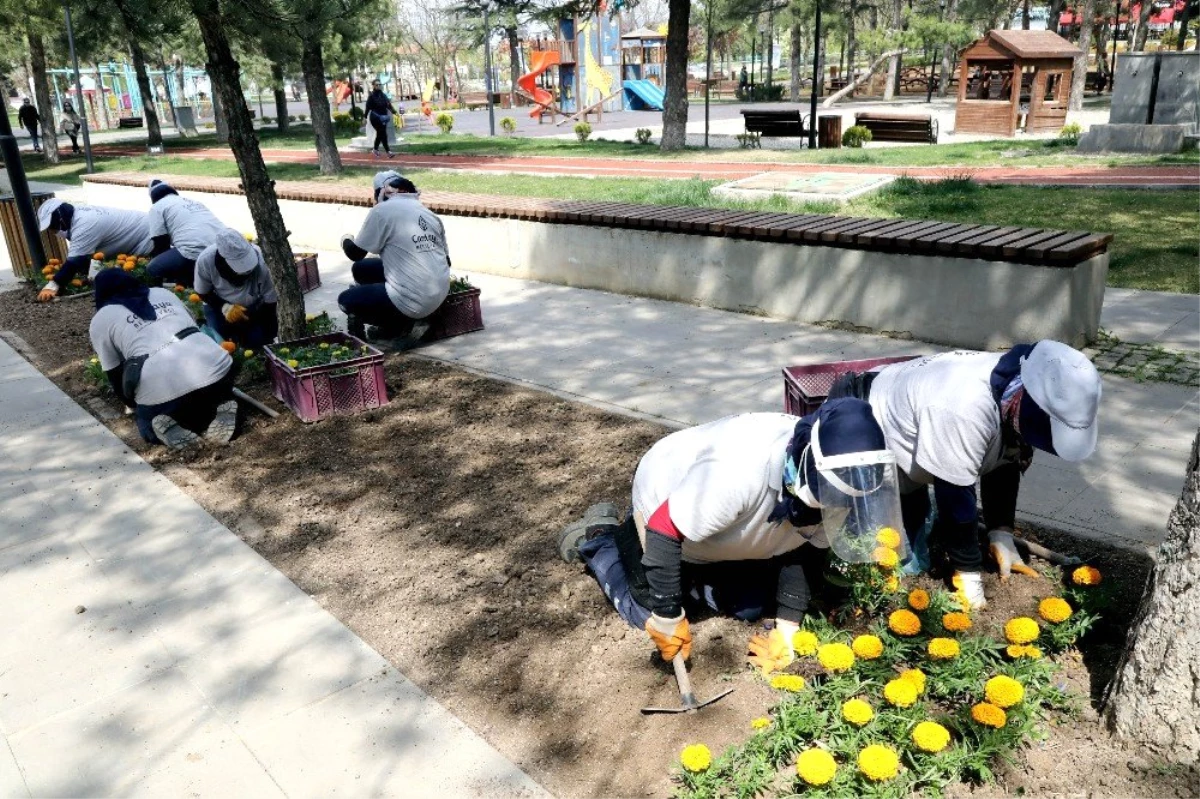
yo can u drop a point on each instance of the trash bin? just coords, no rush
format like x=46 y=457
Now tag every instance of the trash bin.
x=14 y=237
x=829 y=131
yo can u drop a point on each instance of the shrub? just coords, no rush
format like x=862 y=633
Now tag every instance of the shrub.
x=761 y=93
x=1070 y=133
x=344 y=124
x=302 y=117
x=291 y=118
x=582 y=131
x=508 y=125
x=856 y=136
x=268 y=120
x=357 y=114
x=643 y=135
x=444 y=121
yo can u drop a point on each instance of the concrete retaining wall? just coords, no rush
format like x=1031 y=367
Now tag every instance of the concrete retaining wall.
x=953 y=301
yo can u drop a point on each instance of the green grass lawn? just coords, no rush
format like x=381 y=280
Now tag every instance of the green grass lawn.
x=1155 y=245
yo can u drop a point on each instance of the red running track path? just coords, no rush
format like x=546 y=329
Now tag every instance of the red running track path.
x=1185 y=176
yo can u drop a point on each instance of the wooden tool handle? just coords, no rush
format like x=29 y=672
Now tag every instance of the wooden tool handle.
x=684 y=682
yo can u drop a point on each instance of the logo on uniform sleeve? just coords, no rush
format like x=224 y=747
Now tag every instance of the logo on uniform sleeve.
x=421 y=221
x=427 y=240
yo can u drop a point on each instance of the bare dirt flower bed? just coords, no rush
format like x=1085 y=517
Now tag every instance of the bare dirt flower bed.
x=428 y=527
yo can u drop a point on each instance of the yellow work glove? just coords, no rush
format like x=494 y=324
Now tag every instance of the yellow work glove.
x=48 y=292
x=671 y=636
x=235 y=314
x=771 y=652
x=1008 y=559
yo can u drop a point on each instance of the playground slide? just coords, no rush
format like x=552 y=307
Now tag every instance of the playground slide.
x=642 y=95
x=540 y=60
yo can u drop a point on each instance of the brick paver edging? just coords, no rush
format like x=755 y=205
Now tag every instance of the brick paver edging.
x=1043 y=247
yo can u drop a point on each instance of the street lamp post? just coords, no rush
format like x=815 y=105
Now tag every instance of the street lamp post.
x=487 y=66
x=816 y=84
x=933 y=62
x=87 y=139
x=707 y=66
x=10 y=151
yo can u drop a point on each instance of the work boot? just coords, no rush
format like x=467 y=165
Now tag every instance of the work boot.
x=171 y=433
x=355 y=327
x=224 y=424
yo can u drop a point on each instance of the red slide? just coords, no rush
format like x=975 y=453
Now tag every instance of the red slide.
x=540 y=60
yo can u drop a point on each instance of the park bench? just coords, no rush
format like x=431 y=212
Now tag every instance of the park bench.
x=130 y=122
x=775 y=123
x=894 y=127
x=964 y=285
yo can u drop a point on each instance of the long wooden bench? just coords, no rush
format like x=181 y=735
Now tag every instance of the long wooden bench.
x=896 y=127
x=775 y=123
x=970 y=285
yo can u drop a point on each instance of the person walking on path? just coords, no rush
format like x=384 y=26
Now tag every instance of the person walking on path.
x=71 y=125
x=178 y=381
x=379 y=113
x=30 y=119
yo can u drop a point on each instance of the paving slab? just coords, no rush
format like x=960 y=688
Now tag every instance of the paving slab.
x=156 y=654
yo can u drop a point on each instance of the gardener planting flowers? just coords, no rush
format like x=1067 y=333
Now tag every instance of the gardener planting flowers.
x=239 y=296
x=723 y=513
x=89 y=229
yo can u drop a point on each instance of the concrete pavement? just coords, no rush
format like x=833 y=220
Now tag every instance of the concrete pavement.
x=150 y=652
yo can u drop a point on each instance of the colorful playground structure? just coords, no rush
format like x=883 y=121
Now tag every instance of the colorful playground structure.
x=643 y=62
x=578 y=73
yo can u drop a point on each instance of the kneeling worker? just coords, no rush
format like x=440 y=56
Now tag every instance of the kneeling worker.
x=239 y=296
x=180 y=229
x=411 y=276
x=90 y=229
x=722 y=513
x=178 y=383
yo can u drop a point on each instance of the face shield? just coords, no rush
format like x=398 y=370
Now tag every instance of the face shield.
x=859 y=494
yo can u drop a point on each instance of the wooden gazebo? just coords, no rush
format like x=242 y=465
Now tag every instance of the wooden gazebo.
x=1014 y=79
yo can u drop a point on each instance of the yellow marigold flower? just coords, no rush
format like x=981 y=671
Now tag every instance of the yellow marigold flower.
x=696 y=758
x=904 y=622
x=1054 y=609
x=1021 y=630
x=760 y=723
x=878 y=762
x=835 y=657
x=857 y=712
x=892 y=583
x=1003 y=691
x=888 y=537
x=887 y=558
x=943 y=648
x=293 y=363
x=916 y=677
x=1086 y=575
x=788 y=682
x=918 y=599
x=900 y=692
x=956 y=622
x=989 y=715
x=930 y=736
x=247 y=353
x=816 y=766
x=1023 y=651
x=867 y=647
x=805 y=643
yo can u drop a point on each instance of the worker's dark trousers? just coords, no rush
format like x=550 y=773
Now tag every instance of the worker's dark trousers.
x=172 y=267
x=369 y=302
x=961 y=546
x=194 y=410
x=262 y=328
x=380 y=125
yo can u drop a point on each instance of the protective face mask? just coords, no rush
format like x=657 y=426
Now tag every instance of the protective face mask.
x=792 y=478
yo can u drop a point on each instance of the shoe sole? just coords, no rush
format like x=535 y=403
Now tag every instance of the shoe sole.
x=224 y=424
x=570 y=539
x=172 y=435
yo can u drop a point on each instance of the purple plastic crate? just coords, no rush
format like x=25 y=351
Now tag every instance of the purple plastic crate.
x=306 y=271
x=459 y=313
x=315 y=392
x=806 y=387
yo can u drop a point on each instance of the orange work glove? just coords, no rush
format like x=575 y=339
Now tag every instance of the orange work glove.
x=772 y=652
x=671 y=636
x=48 y=292
x=235 y=314
x=1008 y=559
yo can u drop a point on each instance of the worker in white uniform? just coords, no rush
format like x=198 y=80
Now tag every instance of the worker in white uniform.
x=180 y=230
x=90 y=229
x=962 y=419
x=722 y=512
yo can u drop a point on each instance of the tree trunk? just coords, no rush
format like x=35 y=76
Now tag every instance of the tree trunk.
x=219 y=119
x=1153 y=699
x=1184 y=18
x=41 y=94
x=153 y=130
x=180 y=88
x=769 y=49
x=281 y=106
x=1142 y=22
x=866 y=76
x=1079 y=77
x=1025 y=15
x=312 y=63
x=514 y=63
x=851 y=45
x=675 y=106
x=892 y=87
x=794 y=61
x=259 y=189
x=1101 y=34
x=1054 y=12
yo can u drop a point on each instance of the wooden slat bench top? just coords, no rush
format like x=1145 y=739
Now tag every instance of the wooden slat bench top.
x=1048 y=247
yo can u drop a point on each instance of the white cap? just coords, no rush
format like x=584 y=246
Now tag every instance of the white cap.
x=45 y=212
x=241 y=255
x=381 y=178
x=1064 y=384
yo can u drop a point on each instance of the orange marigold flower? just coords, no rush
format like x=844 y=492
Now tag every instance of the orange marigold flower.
x=956 y=622
x=989 y=715
x=885 y=557
x=1054 y=609
x=943 y=648
x=1086 y=575
x=918 y=599
x=904 y=622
